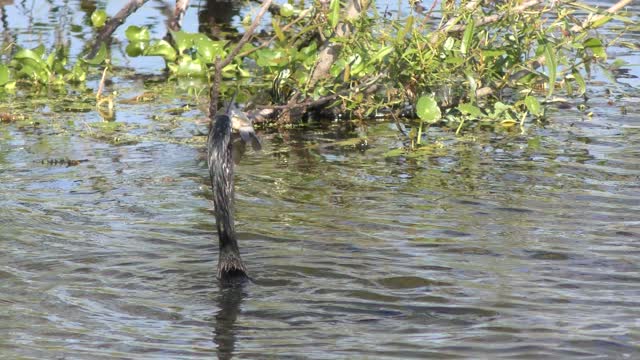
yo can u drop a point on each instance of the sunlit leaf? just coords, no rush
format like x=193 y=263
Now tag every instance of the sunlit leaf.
x=470 y=109
x=582 y=85
x=286 y=10
x=183 y=40
x=206 y=49
x=276 y=28
x=33 y=70
x=98 y=18
x=4 y=74
x=550 y=59
x=448 y=44
x=427 y=109
x=137 y=33
x=100 y=56
x=533 y=105
x=493 y=53
x=186 y=66
x=159 y=48
x=78 y=73
x=405 y=29
x=467 y=36
x=508 y=123
x=136 y=48
x=40 y=50
x=334 y=13
x=595 y=45
x=601 y=21
x=268 y=57
x=28 y=54
x=380 y=55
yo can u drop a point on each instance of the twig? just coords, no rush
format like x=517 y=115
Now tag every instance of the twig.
x=220 y=64
x=113 y=24
x=266 y=43
x=101 y=85
x=492 y=18
x=613 y=9
x=325 y=99
x=247 y=35
x=175 y=23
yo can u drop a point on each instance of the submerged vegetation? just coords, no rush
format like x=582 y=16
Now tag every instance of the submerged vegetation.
x=461 y=65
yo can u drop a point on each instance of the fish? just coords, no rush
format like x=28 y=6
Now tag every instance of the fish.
x=241 y=123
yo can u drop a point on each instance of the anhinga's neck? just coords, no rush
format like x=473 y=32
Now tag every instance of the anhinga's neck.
x=221 y=171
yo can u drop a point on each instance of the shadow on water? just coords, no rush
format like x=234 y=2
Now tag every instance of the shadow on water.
x=216 y=17
x=229 y=301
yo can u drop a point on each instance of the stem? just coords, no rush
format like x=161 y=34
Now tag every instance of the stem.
x=113 y=24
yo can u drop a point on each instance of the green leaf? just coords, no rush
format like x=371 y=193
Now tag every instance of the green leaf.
x=533 y=105
x=33 y=70
x=78 y=73
x=98 y=18
x=334 y=14
x=136 y=48
x=100 y=56
x=470 y=109
x=160 y=48
x=268 y=57
x=286 y=10
x=403 y=32
x=28 y=54
x=489 y=53
x=206 y=49
x=186 y=66
x=550 y=59
x=4 y=74
x=449 y=43
x=183 y=40
x=427 y=109
x=40 y=49
x=380 y=55
x=276 y=28
x=582 y=85
x=595 y=45
x=137 y=33
x=601 y=21
x=467 y=37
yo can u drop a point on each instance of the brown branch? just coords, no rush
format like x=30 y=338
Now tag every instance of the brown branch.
x=247 y=35
x=220 y=64
x=113 y=24
x=175 y=23
x=613 y=9
x=490 y=19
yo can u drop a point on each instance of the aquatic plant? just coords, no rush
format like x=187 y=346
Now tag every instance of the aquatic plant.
x=483 y=64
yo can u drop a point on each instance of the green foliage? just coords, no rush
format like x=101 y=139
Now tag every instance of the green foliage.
x=36 y=67
x=480 y=73
x=98 y=18
x=191 y=55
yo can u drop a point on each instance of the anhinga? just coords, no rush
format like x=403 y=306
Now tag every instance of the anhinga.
x=220 y=159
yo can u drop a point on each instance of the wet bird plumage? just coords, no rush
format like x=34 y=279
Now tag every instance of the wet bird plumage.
x=219 y=151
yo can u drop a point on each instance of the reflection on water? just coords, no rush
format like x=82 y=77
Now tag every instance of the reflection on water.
x=229 y=301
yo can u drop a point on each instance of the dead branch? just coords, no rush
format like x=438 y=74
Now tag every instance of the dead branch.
x=105 y=34
x=175 y=23
x=220 y=64
x=613 y=9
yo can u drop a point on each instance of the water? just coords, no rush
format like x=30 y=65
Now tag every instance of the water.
x=495 y=246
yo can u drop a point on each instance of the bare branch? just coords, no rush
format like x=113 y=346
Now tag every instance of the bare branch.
x=220 y=64
x=175 y=23
x=113 y=24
